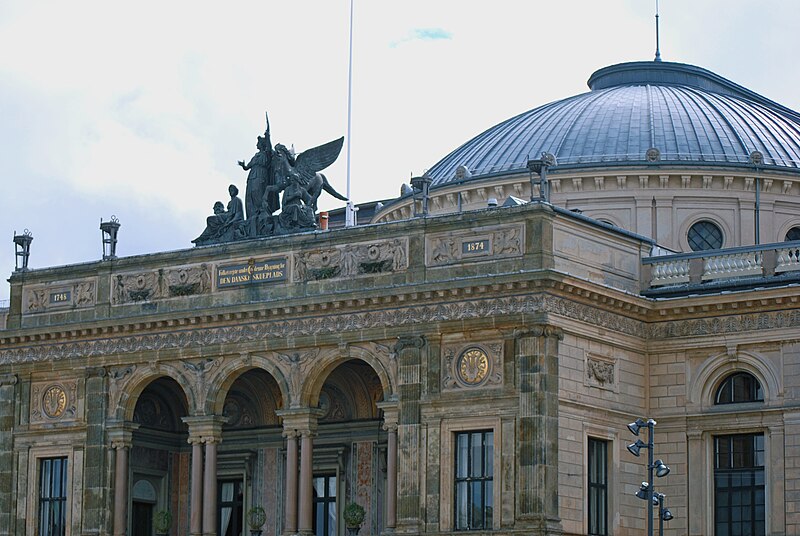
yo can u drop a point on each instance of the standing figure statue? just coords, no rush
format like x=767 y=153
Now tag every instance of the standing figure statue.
x=260 y=176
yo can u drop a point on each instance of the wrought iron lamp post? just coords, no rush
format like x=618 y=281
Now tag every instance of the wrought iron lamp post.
x=540 y=167
x=656 y=467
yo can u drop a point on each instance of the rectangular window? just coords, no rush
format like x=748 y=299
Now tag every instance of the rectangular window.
x=473 y=481
x=52 y=496
x=739 y=505
x=597 y=469
x=324 y=522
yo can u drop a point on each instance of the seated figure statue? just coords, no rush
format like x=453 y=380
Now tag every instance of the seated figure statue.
x=296 y=212
x=223 y=225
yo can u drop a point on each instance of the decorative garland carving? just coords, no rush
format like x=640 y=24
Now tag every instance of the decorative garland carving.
x=161 y=284
x=601 y=371
x=352 y=260
x=478 y=243
x=43 y=298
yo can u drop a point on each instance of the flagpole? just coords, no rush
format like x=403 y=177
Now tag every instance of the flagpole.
x=349 y=212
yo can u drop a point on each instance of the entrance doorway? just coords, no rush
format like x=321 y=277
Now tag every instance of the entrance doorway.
x=324 y=505
x=142 y=517
x=231 y=507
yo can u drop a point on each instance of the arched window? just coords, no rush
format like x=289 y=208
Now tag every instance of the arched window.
x=739 y=387
x=704 y=235
x=792 y=234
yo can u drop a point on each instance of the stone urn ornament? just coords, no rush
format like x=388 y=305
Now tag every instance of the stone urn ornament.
x=162 y=521
x=353 y=517
x=256 y=517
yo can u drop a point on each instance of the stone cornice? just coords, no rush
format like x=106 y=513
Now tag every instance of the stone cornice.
x=414 y=315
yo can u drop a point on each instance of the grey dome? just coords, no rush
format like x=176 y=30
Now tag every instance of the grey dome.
x=689 y=114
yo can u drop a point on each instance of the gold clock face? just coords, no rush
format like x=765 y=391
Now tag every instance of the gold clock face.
x=473 y=366
x=54 y=402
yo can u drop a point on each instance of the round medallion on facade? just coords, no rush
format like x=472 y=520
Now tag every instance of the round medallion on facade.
x=54 y=401
x=473 y=366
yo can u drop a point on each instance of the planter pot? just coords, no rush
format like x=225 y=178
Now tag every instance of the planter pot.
x=255 y=532
x=353 y=531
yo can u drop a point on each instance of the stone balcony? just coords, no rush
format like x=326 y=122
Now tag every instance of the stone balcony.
x=732 y=269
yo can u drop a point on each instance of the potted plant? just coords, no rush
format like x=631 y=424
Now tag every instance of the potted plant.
x=162 y=521
x=256 y=517
x=353 y=517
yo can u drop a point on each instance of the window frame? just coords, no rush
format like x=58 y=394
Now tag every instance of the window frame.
x=705 y=221
x=53 y=494
x=482 y=478
x=446 y=455
x=74 y=473
x=731 y=377
x=601 y=487
x=738 y=474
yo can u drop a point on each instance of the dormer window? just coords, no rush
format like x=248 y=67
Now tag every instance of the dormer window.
x=739 y=387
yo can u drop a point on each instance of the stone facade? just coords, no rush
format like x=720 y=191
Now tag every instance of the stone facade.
x=363 y=356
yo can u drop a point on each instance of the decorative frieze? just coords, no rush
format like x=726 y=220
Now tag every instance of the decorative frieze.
x=59 y=296
x=161 y=284
x=54 y=401
x=475 y=244
x=352 y=260
x=258 y=332
x=471 y=365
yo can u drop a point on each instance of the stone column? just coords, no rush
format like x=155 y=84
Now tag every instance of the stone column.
x=120 y=434
x=196 y=506
x=409 y=430
x=290 y=523
x=302 y=422
x=390 y=415
x=97 y=468
x=306 y=506
x=8 y=394
x=537 y=447
x=210 y=487
x=205 y=433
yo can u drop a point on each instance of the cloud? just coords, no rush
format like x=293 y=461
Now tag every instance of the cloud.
x=423 y=34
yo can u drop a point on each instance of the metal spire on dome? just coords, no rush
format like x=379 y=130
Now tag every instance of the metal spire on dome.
x=658 y=52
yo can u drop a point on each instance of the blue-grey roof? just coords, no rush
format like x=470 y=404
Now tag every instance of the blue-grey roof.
x=689 y=114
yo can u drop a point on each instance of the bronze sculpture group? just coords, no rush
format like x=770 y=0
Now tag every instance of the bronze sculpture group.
x=272 y=171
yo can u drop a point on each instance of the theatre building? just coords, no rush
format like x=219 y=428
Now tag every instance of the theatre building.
x=467 y=358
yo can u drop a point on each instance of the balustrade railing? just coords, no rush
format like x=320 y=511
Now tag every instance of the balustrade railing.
x=762 y=261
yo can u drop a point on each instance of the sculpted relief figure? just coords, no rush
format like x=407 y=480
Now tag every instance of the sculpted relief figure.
x=270 y=172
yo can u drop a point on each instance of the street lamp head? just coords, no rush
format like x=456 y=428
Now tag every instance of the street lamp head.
x=666 y=515
x=634 y=448
x=642 y=491
x=636 y=425
x=661 y=468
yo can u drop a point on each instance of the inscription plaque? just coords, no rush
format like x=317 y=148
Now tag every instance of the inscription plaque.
x=253 y=272
x=61 y=297
x=475 y=247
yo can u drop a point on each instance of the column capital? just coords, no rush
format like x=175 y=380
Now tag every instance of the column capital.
x=391 y=413
x=409 y=341
x=120 y=433
x=302 y=421
x=205 y=428
x=8 y=379
x=539 y=330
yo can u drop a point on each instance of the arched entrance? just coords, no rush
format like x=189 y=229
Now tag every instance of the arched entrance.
x=250 y=452
x=159 y=456
x=350 y=449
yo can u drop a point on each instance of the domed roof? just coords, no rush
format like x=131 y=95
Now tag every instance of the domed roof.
x=689 y=114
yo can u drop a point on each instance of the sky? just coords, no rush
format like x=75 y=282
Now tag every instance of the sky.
x=141 y=110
